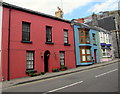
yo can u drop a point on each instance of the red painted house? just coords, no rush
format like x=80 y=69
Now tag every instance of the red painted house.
x=34 y=41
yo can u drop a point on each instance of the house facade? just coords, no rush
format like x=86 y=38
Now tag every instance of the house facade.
x=105 y=46
x=34 y=41
x=86 y=44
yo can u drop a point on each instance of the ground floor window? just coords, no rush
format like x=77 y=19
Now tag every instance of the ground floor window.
x=106 y=52
x=62 y=58
x=85 y=54
x=29 y=60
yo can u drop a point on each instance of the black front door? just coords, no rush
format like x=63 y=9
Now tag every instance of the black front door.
x=46 y=58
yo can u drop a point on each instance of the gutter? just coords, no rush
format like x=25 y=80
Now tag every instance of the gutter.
x=7 y=5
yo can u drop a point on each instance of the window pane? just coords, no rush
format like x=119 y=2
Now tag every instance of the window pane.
x=49 y=34
x=88 y=58
x=65 y=40
x=94 y=40
x=81 y=33
x=62 y=58
x=65 y=36
x=82 y=40
x=25 y=31
x=87 y=39
x=87 y=34
x=83 y=58
x=62 y=63
x=29 y=59
x=83 y=51
x=88 y=51
x=65 y=33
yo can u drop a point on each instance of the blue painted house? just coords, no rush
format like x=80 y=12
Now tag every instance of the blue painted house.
x=86 y=44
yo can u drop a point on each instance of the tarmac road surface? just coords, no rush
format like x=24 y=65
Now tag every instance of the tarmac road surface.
x=102 y=79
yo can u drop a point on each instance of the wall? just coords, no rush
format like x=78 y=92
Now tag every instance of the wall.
x=94 y=46
x=38 y=38
x=77 y=45
x=104 y=37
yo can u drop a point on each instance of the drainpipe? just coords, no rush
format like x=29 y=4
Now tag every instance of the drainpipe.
x=9 y=28
x=72 y=25
x=117 y=43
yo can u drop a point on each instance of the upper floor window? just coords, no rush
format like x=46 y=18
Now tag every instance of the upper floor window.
x=25 y=31
x=48 y=34
x=66 y=36
x=84 y=36
x=94 y=38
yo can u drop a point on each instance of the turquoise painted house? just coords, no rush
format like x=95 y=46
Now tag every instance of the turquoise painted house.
x=86 y=44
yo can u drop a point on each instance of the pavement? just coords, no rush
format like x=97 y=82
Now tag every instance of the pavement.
x=18 y=81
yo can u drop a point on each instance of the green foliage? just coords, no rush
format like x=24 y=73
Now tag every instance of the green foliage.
x=63 y=67
x=31 y=73
x=42 y=73
x=55 y=70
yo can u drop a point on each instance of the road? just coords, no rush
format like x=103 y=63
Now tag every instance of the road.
x=102 y=79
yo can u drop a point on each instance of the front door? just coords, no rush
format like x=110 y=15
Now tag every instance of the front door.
x=95 y=58
x=46 y=58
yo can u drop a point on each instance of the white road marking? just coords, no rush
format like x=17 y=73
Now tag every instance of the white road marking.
x=63 y=87
x=106 y=73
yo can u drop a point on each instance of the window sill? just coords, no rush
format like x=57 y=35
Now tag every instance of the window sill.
x=30 y=42
x=66 y=44
x=51 y=43
x=33 y=71
x=95 y=44
x=106 y=56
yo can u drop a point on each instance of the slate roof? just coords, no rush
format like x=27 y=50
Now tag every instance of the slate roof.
x=4 y=4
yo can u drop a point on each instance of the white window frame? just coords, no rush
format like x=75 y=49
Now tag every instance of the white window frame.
x=62 y=58
x=29 y=60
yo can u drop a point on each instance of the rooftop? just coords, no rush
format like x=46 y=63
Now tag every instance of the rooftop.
x=7 y=5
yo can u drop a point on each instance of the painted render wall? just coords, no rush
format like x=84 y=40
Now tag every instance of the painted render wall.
x=94 y=46
x=77 y=45
x=105 y=37
x=38 y=38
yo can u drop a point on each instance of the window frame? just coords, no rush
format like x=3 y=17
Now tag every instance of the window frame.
x=26 y=31
x=84 y=36
x=66 y=37
x=86 y=55
x=106 y=52
x=29 y=60
x=62 y=58
x=94 y=38
x=49 y=32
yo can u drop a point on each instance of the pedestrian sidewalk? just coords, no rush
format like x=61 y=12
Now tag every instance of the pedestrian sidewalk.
x=17 y=81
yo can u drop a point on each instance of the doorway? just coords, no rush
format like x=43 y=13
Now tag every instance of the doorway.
x=95 y=57
x=46 y=59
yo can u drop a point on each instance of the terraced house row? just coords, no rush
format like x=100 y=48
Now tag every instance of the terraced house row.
x=39 y=42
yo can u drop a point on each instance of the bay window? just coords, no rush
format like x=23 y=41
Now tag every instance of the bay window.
x=85 y=54
x=84 y=37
